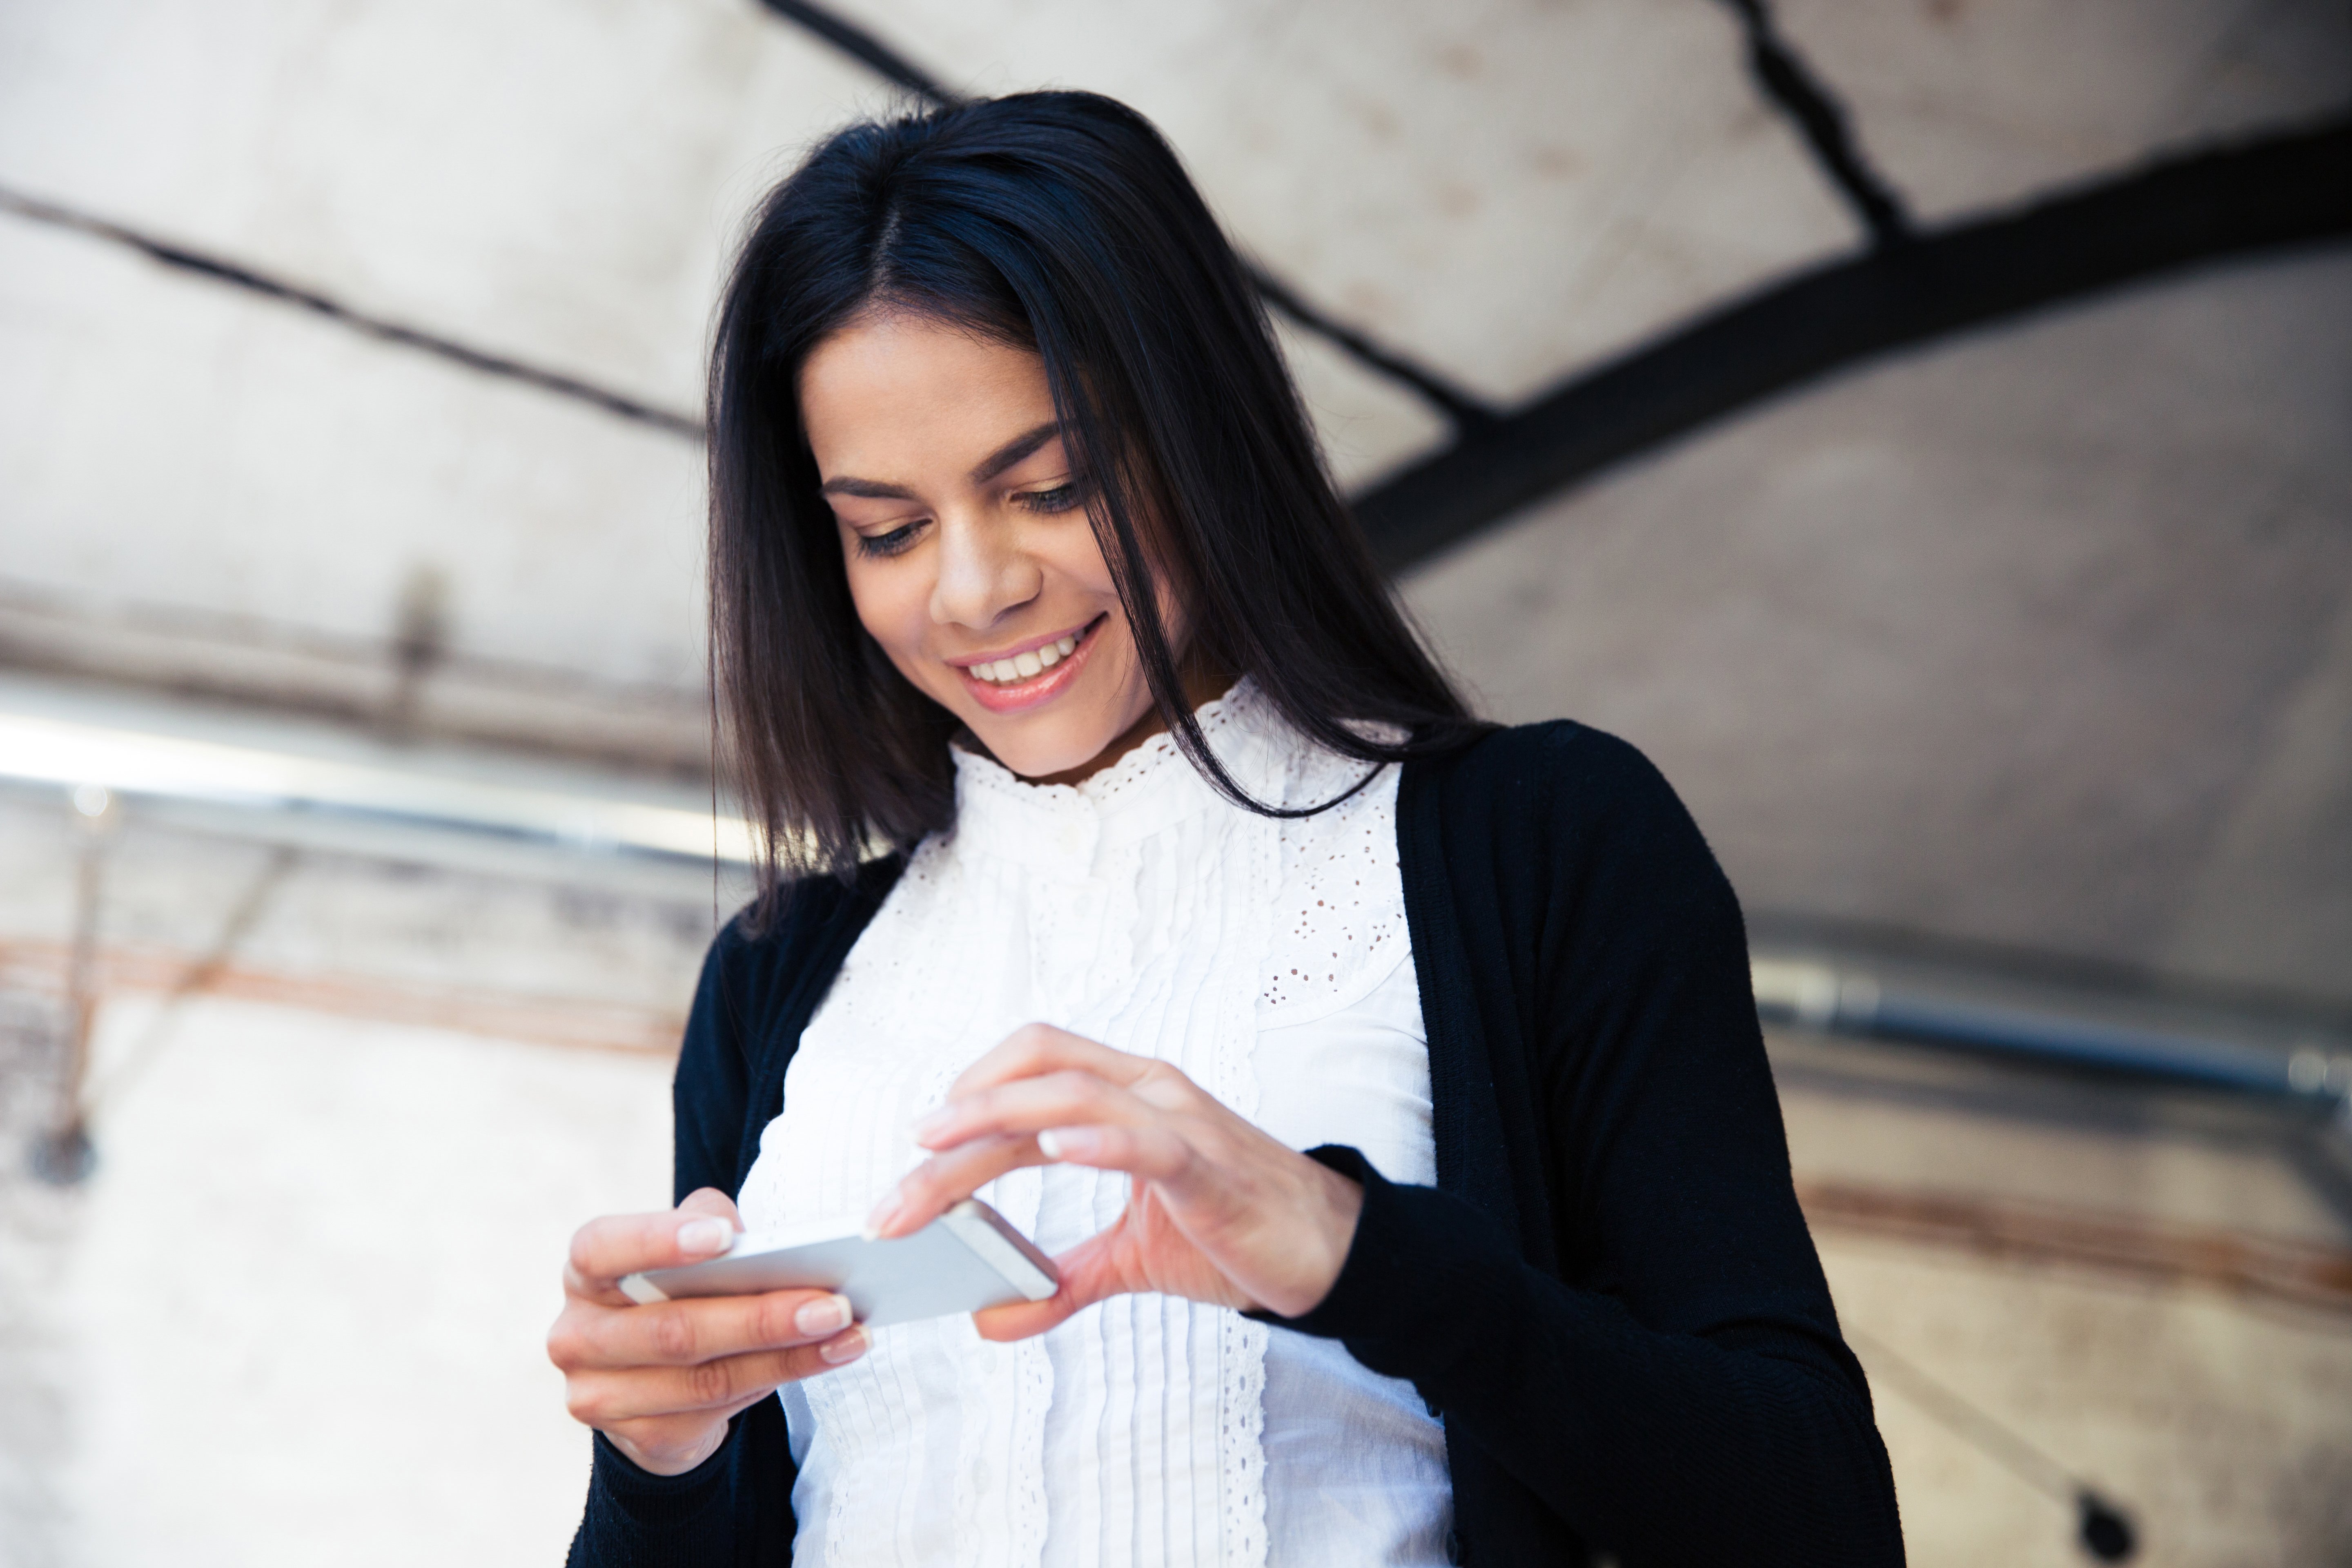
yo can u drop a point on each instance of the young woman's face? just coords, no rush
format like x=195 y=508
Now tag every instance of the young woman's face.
x=970 y=552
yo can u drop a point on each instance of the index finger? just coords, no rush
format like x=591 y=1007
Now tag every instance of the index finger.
x=1036 y=1048
x=696 y=1330
x=604 y=1249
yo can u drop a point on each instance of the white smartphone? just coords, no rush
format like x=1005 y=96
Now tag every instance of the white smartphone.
x=969 y=1257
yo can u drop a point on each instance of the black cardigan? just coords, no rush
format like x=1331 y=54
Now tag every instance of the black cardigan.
x=1610 y=1295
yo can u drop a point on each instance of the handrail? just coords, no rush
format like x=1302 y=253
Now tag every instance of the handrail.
x=1841 y=998
x=1851 y=999
x=134 y=763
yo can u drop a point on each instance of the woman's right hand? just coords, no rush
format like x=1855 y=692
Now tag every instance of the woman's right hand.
x=663 y=1380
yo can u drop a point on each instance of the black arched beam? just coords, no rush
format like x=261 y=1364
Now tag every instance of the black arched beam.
x=2279 y=190
x=2282 y=190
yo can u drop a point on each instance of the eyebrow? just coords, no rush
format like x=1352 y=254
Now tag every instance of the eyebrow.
x=1012 y=451
x=995 y=463
x=875 y=488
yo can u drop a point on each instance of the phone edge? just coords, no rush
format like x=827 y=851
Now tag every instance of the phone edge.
x=991 y=1238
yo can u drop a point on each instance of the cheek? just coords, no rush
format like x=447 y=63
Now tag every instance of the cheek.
x=890 y=606
x=1071 y=552
x=1084 y=561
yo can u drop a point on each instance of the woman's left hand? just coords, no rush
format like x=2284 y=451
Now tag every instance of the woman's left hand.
x=1216 y=1211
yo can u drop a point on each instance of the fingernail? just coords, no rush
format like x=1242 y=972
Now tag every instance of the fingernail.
x=823 y=1317
x=702 y=1237
x=843 y=1349
x=879 y=1220
x=931 y=1122
x=1049 y=1143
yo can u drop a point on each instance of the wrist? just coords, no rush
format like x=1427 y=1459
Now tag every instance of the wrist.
x=1336 y=1203
x=671 y=1455
x=1346 y=1211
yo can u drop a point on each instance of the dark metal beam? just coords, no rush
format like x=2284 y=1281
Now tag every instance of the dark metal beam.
x=1461 y=407
x=1463 y=411
x=1821 y=120
x=236 y=275
x=2279 y=190
x=864 y=48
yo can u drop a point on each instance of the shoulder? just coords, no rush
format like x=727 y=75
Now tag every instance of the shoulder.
x=772 y=949
x=1561 y=770
x=1561 y=802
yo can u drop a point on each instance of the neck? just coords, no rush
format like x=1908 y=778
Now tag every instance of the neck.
x=1201 y=684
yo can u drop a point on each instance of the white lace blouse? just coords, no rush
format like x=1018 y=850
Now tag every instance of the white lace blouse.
x=1269 y=960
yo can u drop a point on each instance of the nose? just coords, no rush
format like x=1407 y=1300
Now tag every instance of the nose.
x=983 y=573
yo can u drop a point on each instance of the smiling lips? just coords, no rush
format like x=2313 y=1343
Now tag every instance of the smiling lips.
x=1022 y=666
x=1034 y=675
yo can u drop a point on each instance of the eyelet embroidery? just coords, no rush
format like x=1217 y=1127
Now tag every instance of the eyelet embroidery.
x=1274 y=921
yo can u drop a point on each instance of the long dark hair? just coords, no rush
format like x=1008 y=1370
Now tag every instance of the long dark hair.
x=1062 y=223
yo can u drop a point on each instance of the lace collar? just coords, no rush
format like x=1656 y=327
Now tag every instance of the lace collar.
x=1153 y=786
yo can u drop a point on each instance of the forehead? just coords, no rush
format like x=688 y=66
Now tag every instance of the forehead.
x=905 y=393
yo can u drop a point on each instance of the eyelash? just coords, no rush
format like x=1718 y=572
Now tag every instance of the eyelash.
x=1061 y=497
x=882 y=546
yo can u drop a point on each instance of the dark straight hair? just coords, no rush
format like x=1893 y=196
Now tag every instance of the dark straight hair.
x=1061 y=223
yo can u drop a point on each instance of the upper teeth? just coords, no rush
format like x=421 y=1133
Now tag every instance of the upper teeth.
x=1022 y=666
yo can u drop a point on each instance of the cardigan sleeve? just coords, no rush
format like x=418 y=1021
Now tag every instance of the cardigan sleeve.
x=1678 y=1393
x=636 y=1519
x=756 y=996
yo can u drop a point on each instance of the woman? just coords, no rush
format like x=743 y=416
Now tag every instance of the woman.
x=1398 y=1110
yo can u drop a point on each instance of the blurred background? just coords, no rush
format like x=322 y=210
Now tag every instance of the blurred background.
x=1925 y=427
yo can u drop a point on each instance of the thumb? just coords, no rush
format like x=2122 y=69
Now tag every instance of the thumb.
x=1090 y=1274
x=711 y=1201
x=708 y=1224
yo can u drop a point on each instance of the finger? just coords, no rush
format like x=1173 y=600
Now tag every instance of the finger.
x=1155 y=1152
x=711 y=1201
x=1026 y=1319
x=602 y=1398
x=1036 y=1048
x=1087 y=1276
x=1031 y=1104
x=938 y=1184
x=682 y=1333
x=604 y=1249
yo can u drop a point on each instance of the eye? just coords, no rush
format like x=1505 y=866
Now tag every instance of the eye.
x=894 y=542
x=1061 y=497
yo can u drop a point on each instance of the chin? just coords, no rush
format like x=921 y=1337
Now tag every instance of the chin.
x=1045 y=750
